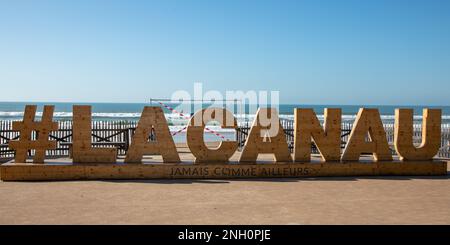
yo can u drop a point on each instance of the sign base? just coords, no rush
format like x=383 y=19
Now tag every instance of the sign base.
x=188 y=170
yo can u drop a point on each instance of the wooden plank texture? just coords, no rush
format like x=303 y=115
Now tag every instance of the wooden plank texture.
x=186 y=170
x=83 y=152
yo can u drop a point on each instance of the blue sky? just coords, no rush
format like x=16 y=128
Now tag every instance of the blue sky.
x=313 y=52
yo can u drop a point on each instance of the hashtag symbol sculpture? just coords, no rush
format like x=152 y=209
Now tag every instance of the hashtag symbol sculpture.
x=42 y=128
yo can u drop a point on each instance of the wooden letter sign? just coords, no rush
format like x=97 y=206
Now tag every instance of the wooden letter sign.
x=327 y=139
x=431 y=134
x=42 y=128
x=152 y=119
x=367 y=152
x=82 y=151
x=367 y=136
x=266 y=136
x=195 y=139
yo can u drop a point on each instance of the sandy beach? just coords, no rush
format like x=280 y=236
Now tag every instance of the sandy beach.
x=344 y=200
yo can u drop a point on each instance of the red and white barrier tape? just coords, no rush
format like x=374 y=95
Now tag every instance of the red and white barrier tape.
x=179 y=131
x=173 y=110
x=214 y=132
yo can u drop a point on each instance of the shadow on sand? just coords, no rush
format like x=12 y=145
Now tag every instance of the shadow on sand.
x=280 y=180
x=288 y=180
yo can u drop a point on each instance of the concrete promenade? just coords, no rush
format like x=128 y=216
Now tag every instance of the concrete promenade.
x=352 y=200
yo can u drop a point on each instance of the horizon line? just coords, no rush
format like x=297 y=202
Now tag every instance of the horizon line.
x=148 y=102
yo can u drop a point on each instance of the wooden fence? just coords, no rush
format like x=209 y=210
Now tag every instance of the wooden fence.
x=121 y=132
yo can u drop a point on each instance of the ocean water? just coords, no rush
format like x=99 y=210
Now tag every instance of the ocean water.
x=132 y=111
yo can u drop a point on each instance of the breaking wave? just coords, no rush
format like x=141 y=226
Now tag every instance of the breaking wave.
x=174 y=116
